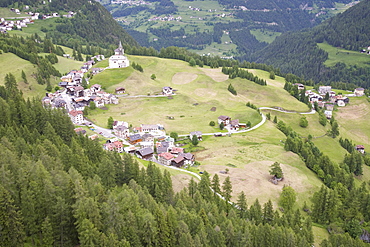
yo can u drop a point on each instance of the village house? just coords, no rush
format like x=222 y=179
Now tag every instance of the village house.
x=149 y=128
x=167 y=91
x=133 y=139
x=165 y=158
x=179 y=161
x=341 y=103
x=188 y=158
x=76 y=117
x=163 y=147
x=324 y=89
x=130 y=149
x=145 y=144
x=118 y=60
x=328 y=114
x=223 y=119
x=176 y=150
x=114 y=146
x=196 y=133
x=148 y=137
x=95 y=88
x=359 y=91
x=329 y=107
x=80 y=131
x=299 y=86
x=145 y=153
x=234 y=125
x=360 y=148
x=116 y=124
x=122 y=131
x=120 y=90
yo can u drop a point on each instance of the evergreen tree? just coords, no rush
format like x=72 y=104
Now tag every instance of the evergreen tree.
x=24 y=77
x=194 y=140
x=276 y=170
x=287 y=198
x=275 y=119
x=215 y=185
x=110 y=123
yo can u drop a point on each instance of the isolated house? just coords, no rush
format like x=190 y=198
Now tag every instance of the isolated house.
x=299 y=85
x=360 y=148
x=223 y=119
x=167 y=91
x=196 y=133
x=120 y=90
x=359 y=92
x=234 y=124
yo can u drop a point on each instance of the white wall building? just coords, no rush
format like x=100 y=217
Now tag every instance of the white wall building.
x=118 y=60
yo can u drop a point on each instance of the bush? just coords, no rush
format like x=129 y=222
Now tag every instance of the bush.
x=212 y=123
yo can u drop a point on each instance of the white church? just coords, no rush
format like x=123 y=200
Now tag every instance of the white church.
x=118 y=60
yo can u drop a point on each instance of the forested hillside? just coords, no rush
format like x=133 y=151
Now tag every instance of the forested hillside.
x=298 y=52
x=200 y=21
x=58 y=188
x=91 y=25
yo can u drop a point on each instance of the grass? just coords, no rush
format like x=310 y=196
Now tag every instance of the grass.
x=251 y=155
x=319 y=234
x=198 y=91
x=36 y=28
x=339 y=55
x=265 y=35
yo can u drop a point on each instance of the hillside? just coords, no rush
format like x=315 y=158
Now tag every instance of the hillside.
x=295 y=52
x=227 y=27
x=92 y=24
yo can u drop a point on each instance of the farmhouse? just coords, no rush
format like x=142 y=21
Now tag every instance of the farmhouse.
x=196 y=133
x=359 y=91
x=167 y=91
x=234 y=125
x=360 y=148
x=120 y=90
x=224 y=119
x=118 y=60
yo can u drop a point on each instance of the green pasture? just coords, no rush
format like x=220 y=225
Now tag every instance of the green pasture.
x=319 y=234
x=6 y=13
x=250 y=155
x=265 y=35
x=36 y=28
x=339 y=55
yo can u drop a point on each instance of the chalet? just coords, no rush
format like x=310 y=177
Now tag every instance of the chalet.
x=167 y=91
x=360 y=148
x=133 y=139
x=359 y=91
x=79 y=106
x=63 y=84
x=234 y=125
x=328 y=114
x=114 y=146
x=122 y=131
x=130 y=149
x=96 y=70
x=324 y=89
x=165 y=158
x=46 y=101
x=76 y=116
x=341 y=97
x=196 y=133
x=145 y=153
x=119 y=123
x=93 y=137
x=299 y=85
x=223 y=119
x=99 y=102
x=120 y=90
x=59 y=103
x=188 y=158
x=179 y=161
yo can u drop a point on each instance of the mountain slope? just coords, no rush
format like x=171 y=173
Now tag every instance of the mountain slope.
x=298 y=53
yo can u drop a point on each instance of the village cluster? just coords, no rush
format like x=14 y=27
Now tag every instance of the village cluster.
x=148 y=142
x=327 y=99
x=8 y=25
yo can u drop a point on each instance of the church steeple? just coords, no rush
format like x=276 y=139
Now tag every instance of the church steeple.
x=119 y=50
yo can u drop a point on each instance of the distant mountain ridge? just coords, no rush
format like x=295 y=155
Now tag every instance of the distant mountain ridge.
x=92 y=24
x=298 y=53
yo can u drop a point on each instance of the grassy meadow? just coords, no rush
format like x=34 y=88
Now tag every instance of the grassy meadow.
x=339 y=55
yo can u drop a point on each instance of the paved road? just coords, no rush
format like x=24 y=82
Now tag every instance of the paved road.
x=285 y=111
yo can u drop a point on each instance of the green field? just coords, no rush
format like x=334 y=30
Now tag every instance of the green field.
x=265 y=35
x=11 y=63
x=339 y=55
x=198 y=90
